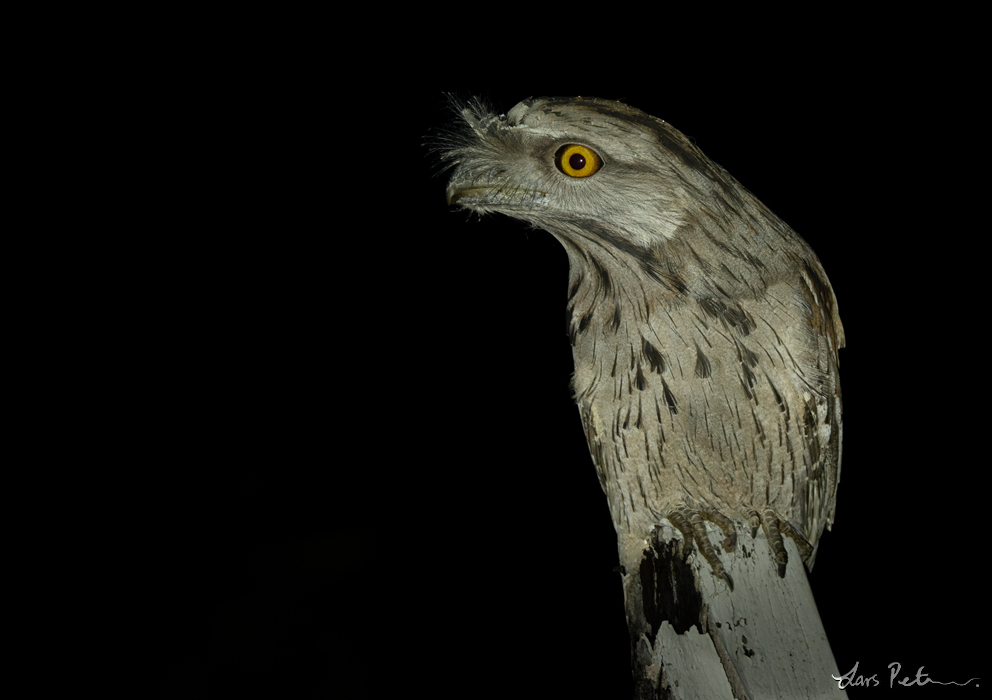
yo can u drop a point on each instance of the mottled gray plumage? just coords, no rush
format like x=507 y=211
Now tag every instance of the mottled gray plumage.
x=704 y=330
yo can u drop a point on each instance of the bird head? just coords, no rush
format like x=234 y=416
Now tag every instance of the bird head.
x=620 y=186
x=561 y=163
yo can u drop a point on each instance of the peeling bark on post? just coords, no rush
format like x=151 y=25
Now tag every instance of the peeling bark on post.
x=692 y=637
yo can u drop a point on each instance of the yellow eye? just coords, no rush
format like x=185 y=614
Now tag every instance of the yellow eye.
x=577 y=161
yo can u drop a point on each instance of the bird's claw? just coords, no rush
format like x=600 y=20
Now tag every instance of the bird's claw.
x=690 y=523
x=774 y=528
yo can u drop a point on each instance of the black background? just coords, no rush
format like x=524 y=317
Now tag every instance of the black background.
x=353 y=459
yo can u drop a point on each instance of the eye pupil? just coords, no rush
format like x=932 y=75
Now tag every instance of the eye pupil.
x=577 y=161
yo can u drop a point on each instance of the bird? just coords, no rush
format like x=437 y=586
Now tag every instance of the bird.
x=704 y=330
